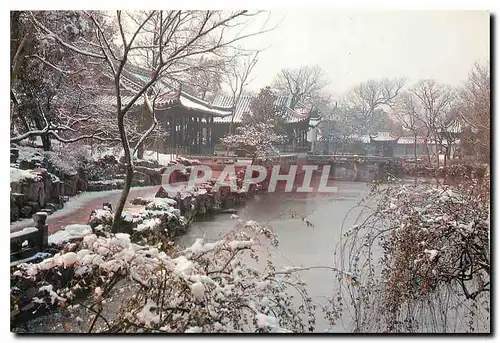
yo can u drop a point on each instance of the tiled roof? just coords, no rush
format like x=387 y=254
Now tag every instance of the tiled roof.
x=243 y=108
x=134 y=80
x=421 y=140
x=383 y=136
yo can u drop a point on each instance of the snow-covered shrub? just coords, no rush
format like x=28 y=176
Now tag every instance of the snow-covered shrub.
x=102 y=217
x=419 y=259
x=68 y=158
x=208 y=287
x=255 y=140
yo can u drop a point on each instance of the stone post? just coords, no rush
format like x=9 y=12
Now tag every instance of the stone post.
x=43 y=229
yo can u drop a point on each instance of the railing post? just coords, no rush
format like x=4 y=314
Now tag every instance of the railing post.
x=43 y=230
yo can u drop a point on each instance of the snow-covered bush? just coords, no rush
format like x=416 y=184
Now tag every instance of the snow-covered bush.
x=68 y=158
x=223 y=286
x=255 y=140
x=419 y=259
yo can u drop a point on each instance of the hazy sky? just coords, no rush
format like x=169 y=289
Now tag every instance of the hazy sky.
x=355 y=45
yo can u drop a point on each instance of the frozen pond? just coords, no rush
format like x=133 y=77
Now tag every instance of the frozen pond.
x=299 y=245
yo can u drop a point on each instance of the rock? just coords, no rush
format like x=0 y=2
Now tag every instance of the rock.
x=99 y=217
x=14 y=155
x=71 y=184
x=18 y=199
x=154 y=174
x=161 y=193
x=228 y=211
x=109 y=159
x=105 y=185
x=25 y=165
x=35 y=207
x=14 y=210
x=141 y=201
x=82 y=183
x=49 y=211
x=53 y=206
x=26 y=211
x=146 y=163
x=142 y=163
x=55 y=190
x=143 y=178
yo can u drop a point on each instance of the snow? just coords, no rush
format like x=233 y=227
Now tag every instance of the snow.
x=17 y=175
x=252 y=224
x=146 y=316
x=27 y=153
x=69 y=259
x=77 y=202
x=149 y=155
x=234 y=216
x=23 y=232
x=148 y=224
x=114 y=182
x=162 y=159
x=198 y=290
x=432 y=254
x=241 y=244
x=103 y=214
x=199 y=247
x=127 y=216
x=183 y=265
x=53 y=295
x=263 y=321
x=195 y=105
x=70 y=232
x=193 y=329
x=262 y=285
x=82 y=253
x=161 y=204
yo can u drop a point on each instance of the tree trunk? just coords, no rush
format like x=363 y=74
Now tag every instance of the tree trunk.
x=427 y=149
x=128 y=178
x=46 y=142
x=140 y=151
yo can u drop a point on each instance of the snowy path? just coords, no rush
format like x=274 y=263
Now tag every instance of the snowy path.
x=78 y=208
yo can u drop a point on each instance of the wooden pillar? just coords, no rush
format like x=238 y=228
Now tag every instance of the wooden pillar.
x=188 y=141
x=209 y=130
x=199 y=135
x=208 y=133
x=184 y=131
x=172 y=132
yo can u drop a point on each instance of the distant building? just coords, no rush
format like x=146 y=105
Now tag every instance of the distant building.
x=187 y=120
x=194 y=126
x=298 y=122
x=385 y=144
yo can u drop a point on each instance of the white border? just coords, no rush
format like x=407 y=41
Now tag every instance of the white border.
x=200 y=4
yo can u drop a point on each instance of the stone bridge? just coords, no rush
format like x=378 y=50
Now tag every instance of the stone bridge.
x=357 y=167
x=343 y=167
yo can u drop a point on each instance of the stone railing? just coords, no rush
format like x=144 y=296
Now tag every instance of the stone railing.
x=31 y=240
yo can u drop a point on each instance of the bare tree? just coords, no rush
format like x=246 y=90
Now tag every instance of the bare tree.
x=178 y=37
x=474 y=110
x=304 y=84
x=371 y=95
x=408 y=114
x=436 y=104
x=238 y=77
x=52 y=91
